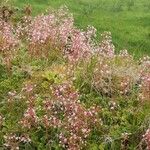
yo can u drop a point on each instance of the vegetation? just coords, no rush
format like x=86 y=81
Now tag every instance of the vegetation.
x=127 y=20
x=64 y=88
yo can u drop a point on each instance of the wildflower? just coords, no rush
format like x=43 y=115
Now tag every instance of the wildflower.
x=30 y=118
x=106 y=47
x=7 y=37
x=67 y=113
x=12 y=141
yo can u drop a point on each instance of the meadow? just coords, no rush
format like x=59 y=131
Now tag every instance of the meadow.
x=68 y=85
x=127 y=20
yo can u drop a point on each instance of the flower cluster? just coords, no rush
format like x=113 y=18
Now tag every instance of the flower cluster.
x=30 y=118
x=70 y=116
x=79 y=46
x=106 y=47
x=102 y=77
x=145 y=87
x=23 y=27
x=11 y=96
x=63 y=111
x=12 y=141
x=49 y=31
x=57 y=31
x=8 y=40
x=114 y=75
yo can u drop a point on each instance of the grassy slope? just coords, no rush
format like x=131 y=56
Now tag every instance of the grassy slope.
x=130 y=28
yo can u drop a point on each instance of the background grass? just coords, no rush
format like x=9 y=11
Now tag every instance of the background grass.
x=128 y=20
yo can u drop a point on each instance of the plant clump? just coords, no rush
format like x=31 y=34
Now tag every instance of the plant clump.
x=62 y=88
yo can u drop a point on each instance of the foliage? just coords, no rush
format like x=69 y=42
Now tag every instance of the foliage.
x=60 y=88
x=127 y=20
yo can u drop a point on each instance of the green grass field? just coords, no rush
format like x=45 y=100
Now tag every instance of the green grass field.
x=128 y=20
